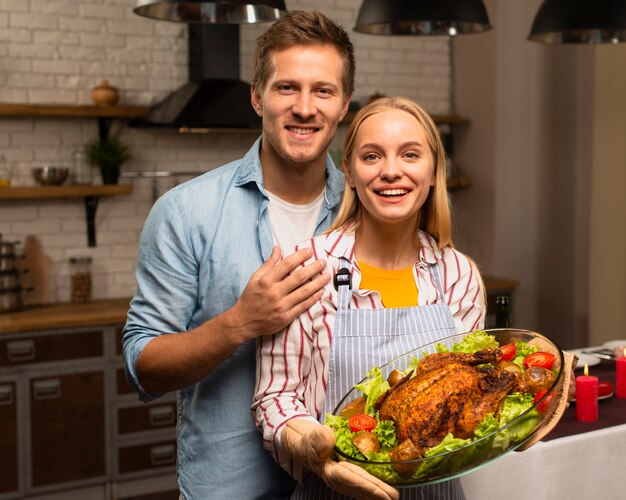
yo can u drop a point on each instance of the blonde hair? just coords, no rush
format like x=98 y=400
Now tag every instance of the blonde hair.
x=434 y=216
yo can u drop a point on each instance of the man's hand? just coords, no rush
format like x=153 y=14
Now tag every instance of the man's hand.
x=275 y=295
x=311 y=444
x=278 y=292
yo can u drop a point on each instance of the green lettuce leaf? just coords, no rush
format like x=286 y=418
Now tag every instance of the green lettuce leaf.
x=372 y=388
x=472 y=342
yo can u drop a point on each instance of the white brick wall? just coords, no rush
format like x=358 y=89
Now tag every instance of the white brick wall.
x=56 y=51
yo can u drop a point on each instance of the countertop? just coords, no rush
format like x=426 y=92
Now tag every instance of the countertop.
x=113 y=312
x=65 y=315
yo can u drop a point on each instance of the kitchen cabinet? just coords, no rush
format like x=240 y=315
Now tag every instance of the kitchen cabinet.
x=71 y=425
x=67 y=428
x=56 y=381
x=9 y=478
x=144 y=438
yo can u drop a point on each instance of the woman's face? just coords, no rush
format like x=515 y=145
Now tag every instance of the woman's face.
x=392 y=167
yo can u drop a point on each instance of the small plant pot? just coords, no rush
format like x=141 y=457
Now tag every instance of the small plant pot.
x=110 y=175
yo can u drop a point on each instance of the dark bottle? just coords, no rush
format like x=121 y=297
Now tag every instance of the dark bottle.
x=503 y=312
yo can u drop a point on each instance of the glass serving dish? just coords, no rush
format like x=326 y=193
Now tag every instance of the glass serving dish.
x=441 y=466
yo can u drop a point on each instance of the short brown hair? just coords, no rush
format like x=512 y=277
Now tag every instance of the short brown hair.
x=300 y=27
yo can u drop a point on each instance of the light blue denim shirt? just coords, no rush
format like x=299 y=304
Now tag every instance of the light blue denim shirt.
x=200 y=244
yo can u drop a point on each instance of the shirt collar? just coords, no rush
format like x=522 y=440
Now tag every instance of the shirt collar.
x=251 y=171
x=341 y=244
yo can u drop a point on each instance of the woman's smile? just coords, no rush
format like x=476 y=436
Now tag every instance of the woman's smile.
x=392 y=167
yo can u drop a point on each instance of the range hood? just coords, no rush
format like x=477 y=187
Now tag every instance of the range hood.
x=215 y=97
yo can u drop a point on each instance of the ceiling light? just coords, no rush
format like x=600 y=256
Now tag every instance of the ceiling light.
x=580 y=21
x=216 y=12
x=422 y=17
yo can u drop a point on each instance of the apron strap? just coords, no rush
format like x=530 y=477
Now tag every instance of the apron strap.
x=434 y=272
x=343 y=283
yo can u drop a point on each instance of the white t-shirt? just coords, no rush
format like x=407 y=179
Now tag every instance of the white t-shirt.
x=293 y=224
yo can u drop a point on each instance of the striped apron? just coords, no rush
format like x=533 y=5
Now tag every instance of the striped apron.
x=363 y=338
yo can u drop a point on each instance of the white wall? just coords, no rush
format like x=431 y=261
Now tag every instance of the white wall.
x=55 y=51
x=545 y=149
x=607 y=291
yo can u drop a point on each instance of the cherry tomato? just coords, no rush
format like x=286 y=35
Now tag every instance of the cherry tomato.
x=605 y=388
x=541 y=359
x=543 y=406
x=361 y=422
x=508 y=352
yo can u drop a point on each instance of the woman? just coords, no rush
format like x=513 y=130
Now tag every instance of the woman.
x=398 y=285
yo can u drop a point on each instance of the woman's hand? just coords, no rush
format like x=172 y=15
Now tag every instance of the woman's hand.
x=311 y=444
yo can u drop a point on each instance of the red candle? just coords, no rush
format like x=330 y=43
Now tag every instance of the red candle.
x=620 y=376
x=586 y=397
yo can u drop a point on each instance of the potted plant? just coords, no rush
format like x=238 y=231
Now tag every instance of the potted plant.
x=108 y=155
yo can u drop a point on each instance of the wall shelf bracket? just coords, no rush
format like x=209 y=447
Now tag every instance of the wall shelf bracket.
x=91 y=204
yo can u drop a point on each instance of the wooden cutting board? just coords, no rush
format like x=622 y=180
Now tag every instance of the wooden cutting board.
x=35 y=276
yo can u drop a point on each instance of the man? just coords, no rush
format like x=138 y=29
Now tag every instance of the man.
x=209 y=280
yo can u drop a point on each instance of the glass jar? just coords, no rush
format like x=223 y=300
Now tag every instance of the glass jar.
x=5 y=172
x=81 y=279
x=82 y=169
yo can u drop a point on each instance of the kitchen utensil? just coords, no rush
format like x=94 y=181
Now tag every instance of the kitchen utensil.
x=10 y=279
x=478 y=451
x=8 y=262
x=50 y=176
x=38 y=276
x=10 y=300
x=8 y=247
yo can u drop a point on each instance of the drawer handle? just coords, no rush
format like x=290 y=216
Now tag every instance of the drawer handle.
x=6 y=395
x=47 y=389
x=21 y=350
x=162 y=415
x=163 y=455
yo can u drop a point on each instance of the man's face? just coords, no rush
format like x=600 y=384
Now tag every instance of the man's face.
x=302 y=103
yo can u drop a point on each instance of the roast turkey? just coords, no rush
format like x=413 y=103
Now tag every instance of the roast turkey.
x=451 y=392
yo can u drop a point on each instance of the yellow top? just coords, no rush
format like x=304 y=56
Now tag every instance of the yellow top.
x=397 y=288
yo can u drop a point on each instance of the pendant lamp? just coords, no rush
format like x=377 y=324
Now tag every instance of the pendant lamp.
x=580 y=21
x=215 y=12
x=422 y=17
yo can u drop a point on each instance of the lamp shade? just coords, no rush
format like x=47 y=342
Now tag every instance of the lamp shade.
x=216 y=12
x=580 y=21
x=422 y=17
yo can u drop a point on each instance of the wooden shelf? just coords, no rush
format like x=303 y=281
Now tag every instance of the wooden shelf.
x=42 y=192
x=90 y=194
x=104 y=114
x=71 y=111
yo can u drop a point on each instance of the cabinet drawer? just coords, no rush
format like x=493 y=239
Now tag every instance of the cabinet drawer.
x=146 y=457
x=146 y=418
x=48 y=348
